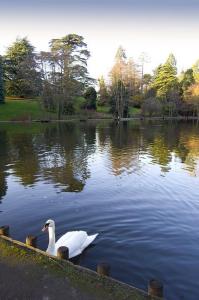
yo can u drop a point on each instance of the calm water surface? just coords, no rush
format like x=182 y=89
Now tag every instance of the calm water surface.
x=137 y=184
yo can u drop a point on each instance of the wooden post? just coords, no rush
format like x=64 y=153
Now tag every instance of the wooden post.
x=103 y=269
x=31 y=241
x=155 y=288
x=63 y=253
x=4 y=230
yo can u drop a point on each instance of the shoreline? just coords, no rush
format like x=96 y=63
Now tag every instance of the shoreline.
x=82 y=119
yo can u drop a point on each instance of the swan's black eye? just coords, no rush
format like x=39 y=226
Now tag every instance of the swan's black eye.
x=47 y=224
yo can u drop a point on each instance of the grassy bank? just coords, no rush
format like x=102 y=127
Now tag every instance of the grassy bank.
x=133 y=111
x=16 y=109
x=18 y=259
x=21 y=110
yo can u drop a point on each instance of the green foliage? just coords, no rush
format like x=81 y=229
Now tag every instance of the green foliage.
x=91 y=98
x=165 y=78
x=22 y=77
x=137 y=100
x=70 y=54
x=48 y=97
x=147 y=79
x=152 y=107
x=79 y=104
x=65 y=73
x=188 y=79
x=133 y=111
x=68 y=108
x=104 y=97
x=150 y=93
x=61 y=77
x=103 y=109
x=1 y=82
x=196 y=71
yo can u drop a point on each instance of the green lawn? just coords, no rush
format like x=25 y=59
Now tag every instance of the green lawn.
x=21 y=110
x=133 y=111
x=103 y=109
x=31 y=109
x=16 y=109
x=79 y=102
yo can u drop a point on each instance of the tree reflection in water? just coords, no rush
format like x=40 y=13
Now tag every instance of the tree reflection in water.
x=59 y=153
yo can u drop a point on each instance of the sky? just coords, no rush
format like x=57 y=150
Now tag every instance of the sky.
x=156 y=27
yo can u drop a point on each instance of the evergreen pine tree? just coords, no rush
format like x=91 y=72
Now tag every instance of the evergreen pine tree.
x=165 y=77
x=21 y=69
x=188 y=79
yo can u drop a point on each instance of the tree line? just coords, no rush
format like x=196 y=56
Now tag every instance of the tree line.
x=59 y=76
x=163 y=93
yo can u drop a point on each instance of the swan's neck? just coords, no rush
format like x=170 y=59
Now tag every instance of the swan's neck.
x=51 y=244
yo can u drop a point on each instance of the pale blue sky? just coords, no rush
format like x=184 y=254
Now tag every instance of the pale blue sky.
x=155 y=27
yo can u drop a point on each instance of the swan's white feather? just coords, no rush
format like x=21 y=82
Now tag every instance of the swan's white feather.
x=76 y=241
x=89 y=240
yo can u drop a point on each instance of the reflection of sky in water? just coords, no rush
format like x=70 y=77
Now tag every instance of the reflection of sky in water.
x=51 y=159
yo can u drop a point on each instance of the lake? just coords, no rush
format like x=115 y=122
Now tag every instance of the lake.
x=136 y=183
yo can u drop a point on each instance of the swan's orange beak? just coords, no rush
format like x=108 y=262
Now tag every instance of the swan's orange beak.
x=45 y=228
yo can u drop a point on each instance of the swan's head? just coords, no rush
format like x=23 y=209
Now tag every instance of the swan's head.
x=48 y=224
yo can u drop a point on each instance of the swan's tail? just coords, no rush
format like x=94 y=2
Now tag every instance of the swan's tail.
x=89 y=240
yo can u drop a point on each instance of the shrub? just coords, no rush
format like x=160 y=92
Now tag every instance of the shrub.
x=152 y=107
x=91 y=97
x=137 y=101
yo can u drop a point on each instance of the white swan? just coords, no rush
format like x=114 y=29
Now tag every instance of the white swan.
x=75 y=241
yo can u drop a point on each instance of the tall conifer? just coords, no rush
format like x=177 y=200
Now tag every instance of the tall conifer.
x=166 y=77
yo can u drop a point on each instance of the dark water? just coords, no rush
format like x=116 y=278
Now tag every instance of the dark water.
x=137 y=184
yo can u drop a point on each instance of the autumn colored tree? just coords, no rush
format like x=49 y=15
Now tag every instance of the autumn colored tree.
x=196 y=71
x=132 y=78
x=143 y=60
x=187 y=79
x=103 y=95
x=191 y=97
x=119 y=97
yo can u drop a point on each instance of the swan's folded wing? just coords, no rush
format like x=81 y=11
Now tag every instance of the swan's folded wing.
x=89 y=240
x=73 y=240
